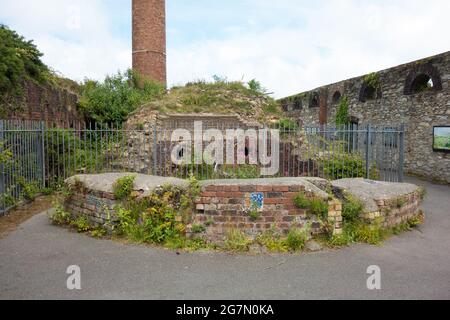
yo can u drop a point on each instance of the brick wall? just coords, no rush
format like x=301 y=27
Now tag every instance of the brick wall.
x=44 y=103
x=225 y=208
x=149 y=39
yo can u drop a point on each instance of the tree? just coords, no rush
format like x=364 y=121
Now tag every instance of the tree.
x=19 y=60
x=112 y=100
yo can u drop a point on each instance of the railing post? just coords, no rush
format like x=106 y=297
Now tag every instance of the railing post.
x=2 y=170
x=155 y=153
x=368 y=158
x=401 y=161
x=43 y=152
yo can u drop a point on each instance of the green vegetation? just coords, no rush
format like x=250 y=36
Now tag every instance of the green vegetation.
x=355 y=230
x=372 y=80
x=352 y=209
x=221 y=97
x=315 y=206
x=273 y=241
x=124 y=187
x=297 y=238
x=19 y=60
x=346 y=165
x=198 y=228
x=112 y=100
x=342 y=117
x=287 y=125
x=29 y=189
x=237 y=241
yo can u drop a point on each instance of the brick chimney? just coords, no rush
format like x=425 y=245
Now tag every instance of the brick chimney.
x=149 y=39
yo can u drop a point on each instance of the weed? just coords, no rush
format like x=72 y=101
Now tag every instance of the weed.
x=316 y=206
x=60 y=216
x=297 y=238
x=198 y=228
x=236 y=240
x=124 y=187
x=352 y=209
x=81 y=224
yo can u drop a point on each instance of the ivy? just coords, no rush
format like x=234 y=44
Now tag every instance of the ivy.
x=342 y=117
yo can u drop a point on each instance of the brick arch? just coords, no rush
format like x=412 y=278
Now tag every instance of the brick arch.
x=419 y=71
x=336 y=97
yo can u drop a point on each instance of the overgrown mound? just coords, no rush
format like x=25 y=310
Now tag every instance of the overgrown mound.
x=220 y=97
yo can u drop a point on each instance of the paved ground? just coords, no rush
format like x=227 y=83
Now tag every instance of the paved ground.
x=415 y=265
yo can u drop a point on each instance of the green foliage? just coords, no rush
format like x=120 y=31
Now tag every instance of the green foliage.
x=5 y=155
x=112 y=100
x=19 y=59
x=287 y=125
x=372 y=80
x=237 y=241
x=273 y=241
x=60 y=216
x=198 y=228
x=315 y=206
x=342 y=117
x=352 y=209
x=81 y=224
x=256 y=86
x=297 y=238
x=301 y=201
x=346 y=165
x=98 y=232
x=29 y=190
x=123 y=187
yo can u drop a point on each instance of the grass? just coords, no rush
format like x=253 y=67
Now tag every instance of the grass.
x=236 y=241
x=221 y=97
x=315 y=206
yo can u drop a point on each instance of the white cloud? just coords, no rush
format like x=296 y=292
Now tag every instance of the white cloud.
x=340 y=39
x=288 y=45
x=75 y=36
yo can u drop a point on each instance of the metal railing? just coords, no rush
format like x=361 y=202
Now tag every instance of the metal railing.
x=34 y=155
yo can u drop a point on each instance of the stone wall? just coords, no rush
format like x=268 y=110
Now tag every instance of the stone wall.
x=397 y=99
x=390 y=204
x=43 y=103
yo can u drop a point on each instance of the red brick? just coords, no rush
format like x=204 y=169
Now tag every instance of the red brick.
x=264 y=188
x=281 y=188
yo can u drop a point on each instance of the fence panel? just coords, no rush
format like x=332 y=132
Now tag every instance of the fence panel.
x=36 y=156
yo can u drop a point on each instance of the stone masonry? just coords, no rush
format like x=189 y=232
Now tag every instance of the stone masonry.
x=397 y=99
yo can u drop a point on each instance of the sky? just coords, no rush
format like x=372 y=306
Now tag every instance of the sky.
x=289 y=46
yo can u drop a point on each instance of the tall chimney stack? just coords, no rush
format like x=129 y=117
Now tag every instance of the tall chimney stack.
x=149 y=39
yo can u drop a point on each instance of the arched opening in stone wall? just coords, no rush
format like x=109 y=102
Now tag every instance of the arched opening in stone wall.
x=422 y=83
x=298 y=103
x=337 y=96
x=314 y=100
x=369 y=92
x=423 y=78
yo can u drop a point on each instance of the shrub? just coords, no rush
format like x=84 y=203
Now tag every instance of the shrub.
x=81 y=224
x=316 y=206
x=297 y=238
x=236 y=240
x=352 y=209
x=342 y=117
x=29 y=189
x=272 y=240
x=112 y=100
x=19 y=59
x=124 y=187
x=60 y=216
x=198 y=228
x=346 y=165
x=301 y=201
